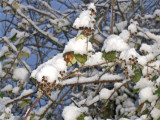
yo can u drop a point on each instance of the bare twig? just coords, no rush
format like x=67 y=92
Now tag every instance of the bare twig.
x=16 y=100
x=112 y=17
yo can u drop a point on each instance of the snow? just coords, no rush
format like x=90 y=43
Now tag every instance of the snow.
x=20 y=74
x=133 y=27
x=88 y=118
x=85 y=19
x=79 y=80
x=120 y=26
x=147 y=94
x=26 y=92
x=48 y=34
x=72 y=112
x=92 y=100
x=129 y=53
x=92 y=6
x=150 y=70
x=108 y=76
x=4 y=100
x=155 y=113
x=10 y=44
x=142 y=83
x=123 y=119
x=26 y=50
x=3 y=50
x=157 y=13
x=158 y=80
x=95 y=59
x=99 y=38
x=144 y=59
x=114 y=43
x=105 y=93
x=7 y=88
x=50 y=69
x=19 y=34
x=146 y=48
x=128 y=103
x=95 y=78
x=78 y=46
x=15 y=90
x=10 y=1
x=125 y=35
x=1 y=71
x=117 y=85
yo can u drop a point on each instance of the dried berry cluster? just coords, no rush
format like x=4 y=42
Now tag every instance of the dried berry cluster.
x=46 y=86
x=126 y=66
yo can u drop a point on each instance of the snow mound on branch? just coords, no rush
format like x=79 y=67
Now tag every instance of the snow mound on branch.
x=15 y=90
x=155 y=113
x=85 y=19
x=92 y=6
x=149 y=70
x=133 y=27
x=142 y=83
x=95 y=59
x=158 y=80
x=105 y=93
x=114 y=43
x=78 y=46
x=125 y=35
x=19 y=34
x=50 y=69
x=21 y=74
x=73 y=112
x=129 y=53
x=3 y=50
x=146 y=48
x=1 y=71
x=147 y=94
x=157 y=13
x=7 y=88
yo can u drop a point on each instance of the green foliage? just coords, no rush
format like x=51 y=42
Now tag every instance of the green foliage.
x=140 y=108
x=135 y=91
x=81 y=36
x=69 y=58
x=81 y=58
x=157 y=92
x=110 y=56
x=154 y=78
x=137 y=74
x=2 y=58
x=14 y=37
x=72 y=58
x=24 y=103
x=81 y=117
x=23 y=54
x=1 y=95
